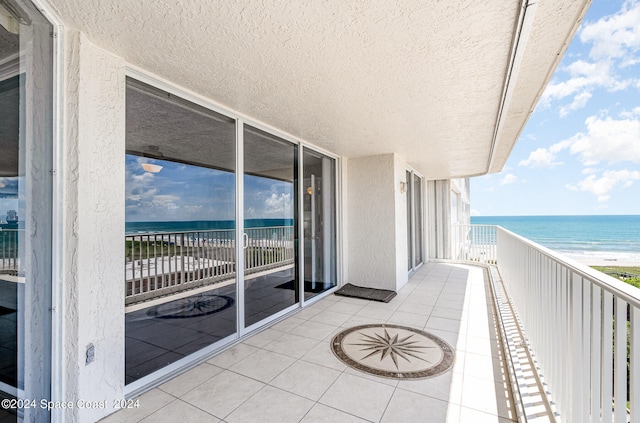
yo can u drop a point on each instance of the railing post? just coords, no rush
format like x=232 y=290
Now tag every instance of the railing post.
x=620 y=363
x=634 y=376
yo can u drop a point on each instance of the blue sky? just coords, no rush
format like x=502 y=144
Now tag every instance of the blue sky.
x=183 y=193
x=580 y=151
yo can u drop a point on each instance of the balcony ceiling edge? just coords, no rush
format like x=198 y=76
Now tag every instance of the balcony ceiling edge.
x=424 y=82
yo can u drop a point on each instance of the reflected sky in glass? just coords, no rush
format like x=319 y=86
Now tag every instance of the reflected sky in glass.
x=181 y=192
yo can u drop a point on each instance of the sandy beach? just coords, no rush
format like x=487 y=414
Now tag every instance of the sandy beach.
x=607 y=259
x=609 y=262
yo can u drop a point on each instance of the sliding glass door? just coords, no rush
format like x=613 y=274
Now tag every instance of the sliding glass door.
x=180 y=264
x=319 y=222
x=270 y=225
x=212 y=230
x=26 y=160
x=414 y=221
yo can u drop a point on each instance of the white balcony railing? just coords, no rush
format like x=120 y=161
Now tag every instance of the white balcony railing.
x=582 y=326
x=159 y=264
x=473 y=243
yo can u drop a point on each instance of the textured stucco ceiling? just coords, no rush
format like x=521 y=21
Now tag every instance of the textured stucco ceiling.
x=423 y=79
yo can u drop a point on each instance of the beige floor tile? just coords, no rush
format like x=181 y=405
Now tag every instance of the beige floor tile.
x=408 y=319
x=438 y=387
x=292 y=345
x=313 y=329
x=447 y=313
x=359 y=320
x=288 y=324
x=182 y=384
x=408 y=406
x=358 y=396
x=323 y=414
x=485 y=367
x=223 y=393
x=333 y=318
x=308 y=313
x=487 y=397
x=440 y=323
x=321 y=354
x=346 y=308
x=149 y=403
x=376 y=313
x=374 y=378
x=271 y=405
x=416 y=308
x=231 y=356
x=306 y=379
x=263 y=365
x=263 y=338
x=178 y=411
x=475 y=416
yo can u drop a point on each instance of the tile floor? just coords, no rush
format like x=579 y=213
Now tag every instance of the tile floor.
x=287 y=373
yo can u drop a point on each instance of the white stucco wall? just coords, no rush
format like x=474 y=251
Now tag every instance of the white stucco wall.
x=401 y=203
x=93 y=151
x=376 y=228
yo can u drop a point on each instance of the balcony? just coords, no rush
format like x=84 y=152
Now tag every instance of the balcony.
x=546 y=351
x=287 y=372
x=535 y=337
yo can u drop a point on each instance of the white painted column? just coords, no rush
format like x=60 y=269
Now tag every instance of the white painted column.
x=377 y=246
x=94 y=225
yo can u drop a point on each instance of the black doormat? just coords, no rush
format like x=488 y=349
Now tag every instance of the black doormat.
x=4 y=311
x=308 y=286
x=374 y=294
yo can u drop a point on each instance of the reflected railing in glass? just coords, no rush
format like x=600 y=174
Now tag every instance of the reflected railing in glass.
x=164 y=263
x=9 y=254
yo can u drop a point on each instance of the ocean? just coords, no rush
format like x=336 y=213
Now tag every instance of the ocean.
x=579 y=237
x=200 y=225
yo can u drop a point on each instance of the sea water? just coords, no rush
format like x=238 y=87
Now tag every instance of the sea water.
x=133 y=228
x=579 y=237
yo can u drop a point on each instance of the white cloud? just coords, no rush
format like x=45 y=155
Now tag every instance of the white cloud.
x=633 y=113
x=509 y=178
x=279 y=204
x=616 y=35
x=585 y=76
x=579 y=101
x=605 y=139
x=614 y=44
x=475 y=212
x=608 y=140
x=540 y=158
x=589 y=170
x=602 y=186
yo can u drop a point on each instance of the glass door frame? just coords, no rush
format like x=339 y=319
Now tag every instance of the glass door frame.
x=240 y=229
x=240 y=121
x=413 y=220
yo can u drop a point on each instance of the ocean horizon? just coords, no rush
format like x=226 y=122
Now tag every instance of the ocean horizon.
x=132 y=228
x=581 y=237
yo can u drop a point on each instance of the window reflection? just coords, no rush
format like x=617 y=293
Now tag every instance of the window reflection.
x=180 y=253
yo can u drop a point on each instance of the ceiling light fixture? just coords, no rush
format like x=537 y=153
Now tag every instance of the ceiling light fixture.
x=151 y=168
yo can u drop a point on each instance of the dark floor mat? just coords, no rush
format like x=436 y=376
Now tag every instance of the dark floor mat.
x=382 y=295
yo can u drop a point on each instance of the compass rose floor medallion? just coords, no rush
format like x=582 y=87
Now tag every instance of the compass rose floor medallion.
x=391 y=351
